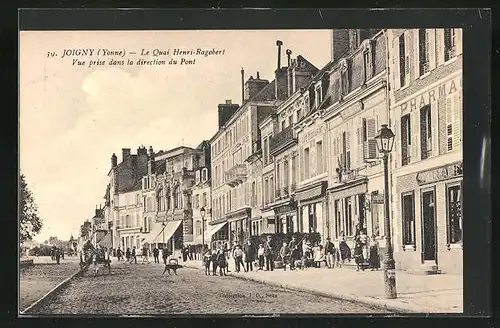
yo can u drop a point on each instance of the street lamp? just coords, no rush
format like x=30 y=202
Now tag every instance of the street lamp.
x=385 y=141
x=163 y=233
x=202 y=213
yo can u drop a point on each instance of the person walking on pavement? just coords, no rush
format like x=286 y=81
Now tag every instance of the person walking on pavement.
x=222 y=262
x=249 y=255
x=57 y=255
x=269 y=254
x=238 y=258
x=358 y=254
x=330 y=253
x=226 y=250
x=345 y=251
x=119 y=254
x=127 y=254
x=144 y=254
x=363 y=238
x=260 y=255
x=213 y=259
x=156 y=252
x=285 y=255
x=133 y=256
x=374 y=254
x=206 y=261
x=293 y=246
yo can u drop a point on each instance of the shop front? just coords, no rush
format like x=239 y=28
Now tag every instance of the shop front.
x=239 y=225
x=217 y=233
x=429 y=219
x=348 y=210
x=286 y=217
x=312 y=207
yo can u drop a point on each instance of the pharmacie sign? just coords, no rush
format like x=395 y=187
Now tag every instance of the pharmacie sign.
x=440 y=91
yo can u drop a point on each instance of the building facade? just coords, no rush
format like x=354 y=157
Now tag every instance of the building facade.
x=358 y=106
x=426 y=111
x=283 y=146
x=266 y=223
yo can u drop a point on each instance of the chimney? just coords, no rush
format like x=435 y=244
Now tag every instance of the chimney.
x=151 y=161
x=288 y=53
x=279 y=43
x=142 y=151
x=226 y=111
x=340 y=43
x=125 y=153
x=114 y=161
x=289 y=74
x=254 y=86
x=242 y=85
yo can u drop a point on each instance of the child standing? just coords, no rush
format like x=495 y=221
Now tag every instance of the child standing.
x=285 y=255
x=206 y=260
x=213 y=259
x=260 y=254
x=222 y=262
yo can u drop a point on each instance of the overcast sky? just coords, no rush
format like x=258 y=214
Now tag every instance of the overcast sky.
x=73 y=118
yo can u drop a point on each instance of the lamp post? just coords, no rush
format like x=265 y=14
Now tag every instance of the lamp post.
x=202 y=213
x=385 y=141
x=163 y=233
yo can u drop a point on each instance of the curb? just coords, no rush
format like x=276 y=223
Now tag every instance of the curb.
x=388 y=305
x=51 y=292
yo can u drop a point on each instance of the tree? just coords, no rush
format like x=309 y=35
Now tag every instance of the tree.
x=30 y=222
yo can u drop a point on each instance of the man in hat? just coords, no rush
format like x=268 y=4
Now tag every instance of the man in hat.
x=330 y=253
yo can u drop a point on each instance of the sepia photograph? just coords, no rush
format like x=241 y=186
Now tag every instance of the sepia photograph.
x=243 y=172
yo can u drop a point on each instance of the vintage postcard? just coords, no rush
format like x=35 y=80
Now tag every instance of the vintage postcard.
x=248 y=172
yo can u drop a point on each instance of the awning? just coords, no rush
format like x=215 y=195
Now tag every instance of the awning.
x=106 y=241
x=158 y=233
x=213 y=229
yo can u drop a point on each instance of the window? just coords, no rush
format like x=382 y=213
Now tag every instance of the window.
x=266 y=191
x=404 y=62
x=408 y=208
x=405 y=140
x=176 y=197
x=197 y=201
x=423 y=51
x=197 y=177
x=290 y=120
x=204 y=199
x=271 y=189
x=318 y=96
x=161 y=200
x=346 y=151
x=348 y=227
x=454 y=205
x=198 y=227
x=450 y=44
x=286 y=177
x=204 y=175
x=306 y=163
x=144 y=204
x=298 y=115
x=320 y=167
x=254 y=194
x=425 y=132
x=338 y=215
x=344 y=82
x=294 y=165
x=283 y=126
x=453 y=122
x=264 y=150
x=278 y=176
x=367 y=65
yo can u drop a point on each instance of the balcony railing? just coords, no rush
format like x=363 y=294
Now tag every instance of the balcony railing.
x=236 y=175
x=282 y=140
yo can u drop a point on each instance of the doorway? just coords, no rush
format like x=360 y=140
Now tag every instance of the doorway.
x=428 y=226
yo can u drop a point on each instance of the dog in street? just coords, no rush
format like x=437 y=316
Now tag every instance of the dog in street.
x=173 y=265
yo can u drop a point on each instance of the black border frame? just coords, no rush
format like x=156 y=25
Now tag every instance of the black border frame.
x=477 y=119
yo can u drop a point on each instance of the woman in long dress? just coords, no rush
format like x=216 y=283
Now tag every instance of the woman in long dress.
x=345 y=250
x=358 y=254
x=374 y=254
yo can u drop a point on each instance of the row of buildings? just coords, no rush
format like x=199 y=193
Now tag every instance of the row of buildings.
x=299 y=155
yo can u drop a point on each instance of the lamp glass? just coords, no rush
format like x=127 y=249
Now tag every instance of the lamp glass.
x=202 y=212
x=385 y=140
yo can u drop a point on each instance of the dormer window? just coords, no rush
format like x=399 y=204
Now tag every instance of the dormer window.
x=204 y=175
x=344 y=79
x=318 y=95
x=197 y=177
x=367 y=62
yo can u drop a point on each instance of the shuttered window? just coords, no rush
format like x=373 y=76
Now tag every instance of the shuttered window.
x=370 y=145
x=405 y=139
x=425 y=132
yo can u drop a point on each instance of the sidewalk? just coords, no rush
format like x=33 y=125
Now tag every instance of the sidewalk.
x=416 y=293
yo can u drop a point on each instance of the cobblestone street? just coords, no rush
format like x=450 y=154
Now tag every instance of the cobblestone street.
x=142 y=289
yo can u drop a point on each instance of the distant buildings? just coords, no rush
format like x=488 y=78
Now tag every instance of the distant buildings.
x=299 y=155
